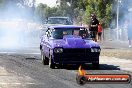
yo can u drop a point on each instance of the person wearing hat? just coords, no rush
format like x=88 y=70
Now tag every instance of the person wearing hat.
x=94 y=27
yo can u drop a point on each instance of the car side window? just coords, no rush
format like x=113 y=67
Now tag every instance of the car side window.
x=50 y=32
x=47 y=33
x=76 y=32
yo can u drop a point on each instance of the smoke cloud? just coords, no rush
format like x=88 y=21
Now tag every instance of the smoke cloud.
x=124 y=9
x=17 y=27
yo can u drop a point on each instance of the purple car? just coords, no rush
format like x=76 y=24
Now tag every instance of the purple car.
x=68 y=44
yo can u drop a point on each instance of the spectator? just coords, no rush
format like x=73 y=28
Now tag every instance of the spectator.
x=129 y=31
x=94 y=27
x=99 y=32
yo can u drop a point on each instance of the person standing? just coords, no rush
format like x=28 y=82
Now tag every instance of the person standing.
x=99 y=32
x=94 y=27
x=129 y=31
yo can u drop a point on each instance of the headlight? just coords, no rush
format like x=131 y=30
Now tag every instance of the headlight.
x=95 y=50
x=58 y=50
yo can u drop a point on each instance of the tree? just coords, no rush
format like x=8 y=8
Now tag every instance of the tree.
x=2 y=3
x=67 y=8
x=41 y=11
x=17 y=8
x=83 y=9
x=102 y=9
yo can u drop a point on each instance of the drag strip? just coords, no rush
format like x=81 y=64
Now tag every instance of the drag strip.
x=30 y=73
x=18 y=70
x=123 y=64
x=19 y=53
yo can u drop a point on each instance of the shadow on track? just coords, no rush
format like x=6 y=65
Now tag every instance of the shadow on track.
x=86 y=67
x=90 y=67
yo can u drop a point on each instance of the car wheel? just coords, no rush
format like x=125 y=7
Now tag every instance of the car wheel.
x=45 y=60
x=59 y=66
x=40 y=47
x=51 y=63
x=95 y=65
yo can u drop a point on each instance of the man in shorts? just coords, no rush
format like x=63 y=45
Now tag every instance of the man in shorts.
x=94 y=27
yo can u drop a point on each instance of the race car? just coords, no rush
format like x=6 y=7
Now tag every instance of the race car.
x=68 y=44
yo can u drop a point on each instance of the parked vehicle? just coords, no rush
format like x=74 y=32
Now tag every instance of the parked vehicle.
x=59 y=20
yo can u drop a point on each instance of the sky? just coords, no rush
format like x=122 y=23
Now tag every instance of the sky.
x=50 y=3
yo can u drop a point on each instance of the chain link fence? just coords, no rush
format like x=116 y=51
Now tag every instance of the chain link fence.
x=114 y=34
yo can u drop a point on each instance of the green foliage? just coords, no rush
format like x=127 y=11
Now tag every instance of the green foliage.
x=40 y=11
x=2 y=4
x=101 y=8
x=43 y=11
x=80 y=10
x=16 y=8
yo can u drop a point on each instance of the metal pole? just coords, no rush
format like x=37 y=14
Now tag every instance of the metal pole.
x=72 y=10
x=81 y=17
x=117 y=19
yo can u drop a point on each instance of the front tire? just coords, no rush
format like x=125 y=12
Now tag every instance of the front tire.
x=95 y=65
x=40 y=47
x=45 y=60
x=51 y=63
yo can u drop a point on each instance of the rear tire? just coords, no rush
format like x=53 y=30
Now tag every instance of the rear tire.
x=45 y=60
x=51 y=63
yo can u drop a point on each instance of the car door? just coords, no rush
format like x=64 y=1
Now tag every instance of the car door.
x=47 y=46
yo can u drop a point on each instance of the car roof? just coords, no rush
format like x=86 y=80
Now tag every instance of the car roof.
x=66 y=26
x=59 y=17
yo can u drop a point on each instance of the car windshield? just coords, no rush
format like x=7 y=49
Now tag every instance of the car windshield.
x=58 y=21
x=59 y=33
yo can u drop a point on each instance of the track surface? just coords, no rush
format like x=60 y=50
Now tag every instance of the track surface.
x=22 y=68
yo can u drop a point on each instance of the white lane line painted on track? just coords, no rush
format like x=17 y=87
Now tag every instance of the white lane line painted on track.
x=19 y=53
x=17 y=83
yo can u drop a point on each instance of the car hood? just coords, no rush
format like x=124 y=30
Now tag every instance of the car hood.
x=74 y=42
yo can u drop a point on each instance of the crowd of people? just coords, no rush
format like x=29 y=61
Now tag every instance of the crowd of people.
x=95 y=28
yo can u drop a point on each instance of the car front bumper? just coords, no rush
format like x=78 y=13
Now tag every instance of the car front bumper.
x=76 y=56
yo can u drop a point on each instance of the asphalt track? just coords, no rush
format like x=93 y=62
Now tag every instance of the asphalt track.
x=22 y=68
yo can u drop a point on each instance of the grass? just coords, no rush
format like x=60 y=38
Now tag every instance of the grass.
x=118 y=53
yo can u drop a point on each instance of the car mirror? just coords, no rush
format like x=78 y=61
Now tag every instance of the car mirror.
x=51 y=38
x=47 y=21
